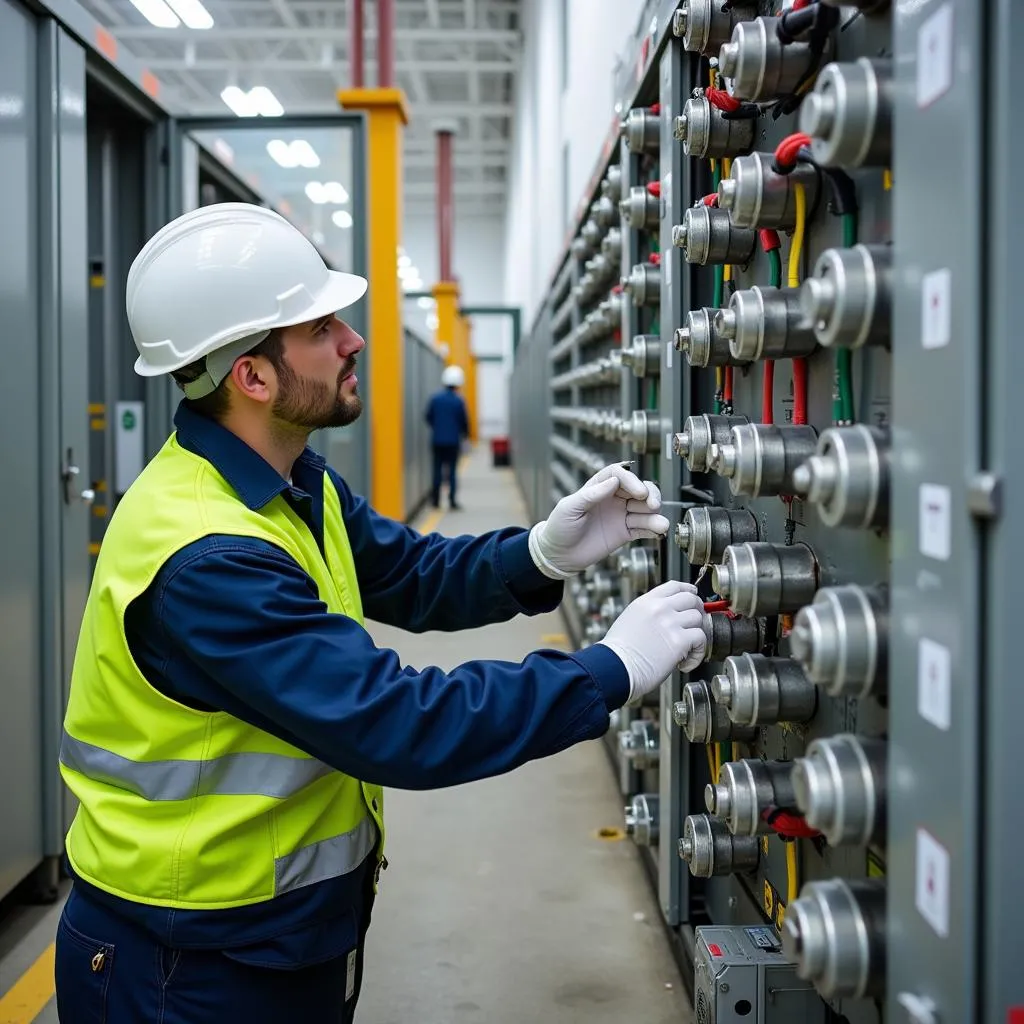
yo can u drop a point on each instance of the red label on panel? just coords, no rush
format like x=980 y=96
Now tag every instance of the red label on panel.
x=1015 y=1015
x=717 y=951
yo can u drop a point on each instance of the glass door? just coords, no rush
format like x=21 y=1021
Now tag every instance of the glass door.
x=311 y=170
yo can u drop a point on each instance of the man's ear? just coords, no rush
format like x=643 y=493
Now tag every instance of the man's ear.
x=253 y=378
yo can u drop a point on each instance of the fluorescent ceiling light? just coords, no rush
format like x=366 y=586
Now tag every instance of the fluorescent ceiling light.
x=326 y=192
x=412 y=284
x=157 y=13
x=192 y=12
x=424 y=303
x=408 y=271
x=259 y=101
x=297 y=153
x=432 y=324
x=404 y=261
x=342 y=218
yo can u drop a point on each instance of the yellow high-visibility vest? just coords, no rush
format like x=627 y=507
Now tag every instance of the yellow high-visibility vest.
x=186 y=808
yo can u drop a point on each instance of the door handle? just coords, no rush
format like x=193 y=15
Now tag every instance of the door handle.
x=69 y=471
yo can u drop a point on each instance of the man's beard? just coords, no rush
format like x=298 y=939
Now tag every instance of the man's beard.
x=313 y=405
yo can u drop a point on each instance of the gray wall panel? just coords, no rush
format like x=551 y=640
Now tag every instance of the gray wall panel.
x=21 y=840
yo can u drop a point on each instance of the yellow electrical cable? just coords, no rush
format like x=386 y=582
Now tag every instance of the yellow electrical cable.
x=718 y=762
x=792 y=881
x=735 y=751
x=711 y=761
x=796 y=246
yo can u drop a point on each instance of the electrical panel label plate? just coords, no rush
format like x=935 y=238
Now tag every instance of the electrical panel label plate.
x=764 y=938
x=931 y=884
x=936 y=315
x=934 y=527
x=933 y=683
x=935 y=56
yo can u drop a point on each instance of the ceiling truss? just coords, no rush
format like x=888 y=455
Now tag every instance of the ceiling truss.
x=456 y=60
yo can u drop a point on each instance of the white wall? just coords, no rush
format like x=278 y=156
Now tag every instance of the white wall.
x=478 y=257
x=543 y=192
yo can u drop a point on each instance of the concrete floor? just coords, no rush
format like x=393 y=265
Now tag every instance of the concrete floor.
x=501 y=904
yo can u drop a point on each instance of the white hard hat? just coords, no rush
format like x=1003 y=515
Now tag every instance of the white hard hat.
x=218 y=280
x=453 y=377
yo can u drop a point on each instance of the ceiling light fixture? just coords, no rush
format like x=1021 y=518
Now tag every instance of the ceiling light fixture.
x=342 y=218
x=192 y=13
x=326 y=192
x=157 y=13
x=259 y=101
x=297 y=153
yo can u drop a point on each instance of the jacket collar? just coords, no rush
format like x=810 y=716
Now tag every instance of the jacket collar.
x=252 y=478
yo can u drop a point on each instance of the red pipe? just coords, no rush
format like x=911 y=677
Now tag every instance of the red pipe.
x=444 y=203
x=385 y=44
x=358 y=64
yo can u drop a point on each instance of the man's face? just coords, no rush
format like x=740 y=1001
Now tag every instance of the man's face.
x=317 y=384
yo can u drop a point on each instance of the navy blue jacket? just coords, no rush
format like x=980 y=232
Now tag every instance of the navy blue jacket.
x=234 y=624
x=446 y=414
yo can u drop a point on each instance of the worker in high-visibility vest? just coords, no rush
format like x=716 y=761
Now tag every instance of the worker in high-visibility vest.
x=231 y=724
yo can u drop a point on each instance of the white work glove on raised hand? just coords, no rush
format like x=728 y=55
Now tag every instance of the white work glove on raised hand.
x=656 y=632
x=612 y=508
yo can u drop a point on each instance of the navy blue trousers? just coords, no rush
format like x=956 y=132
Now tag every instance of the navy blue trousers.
x=446 y=457
x=110 y=970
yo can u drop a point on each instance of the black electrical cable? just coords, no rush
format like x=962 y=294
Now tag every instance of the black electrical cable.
x=817 y=22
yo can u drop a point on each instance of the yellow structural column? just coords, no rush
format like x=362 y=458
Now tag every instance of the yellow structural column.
x=453 y=335
x=386 y=116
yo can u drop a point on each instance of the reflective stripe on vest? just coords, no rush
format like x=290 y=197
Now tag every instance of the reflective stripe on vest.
x=245 y=774
x=326 y=859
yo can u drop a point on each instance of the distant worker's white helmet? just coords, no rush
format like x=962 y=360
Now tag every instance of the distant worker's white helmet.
x=453 y=377
x=216 y=281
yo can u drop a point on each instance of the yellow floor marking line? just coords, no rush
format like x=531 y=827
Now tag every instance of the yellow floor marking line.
x=31 y=992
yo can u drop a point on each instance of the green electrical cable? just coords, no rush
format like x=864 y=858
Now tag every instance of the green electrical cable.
x=844 y=358
x=775 y=268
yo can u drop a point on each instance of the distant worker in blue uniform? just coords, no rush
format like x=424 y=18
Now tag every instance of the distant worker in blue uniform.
x=231 y=725
x=449 y=427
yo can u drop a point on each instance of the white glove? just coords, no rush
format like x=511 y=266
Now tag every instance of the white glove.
x=656 y=632
x=612 y=508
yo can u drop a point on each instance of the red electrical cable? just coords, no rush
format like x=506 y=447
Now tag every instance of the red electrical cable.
x=716 y=606
x=655 y=108
x=727 y=388
x=768 y=392
x=799 y=5
x=786 y=151
x=769 y=239
x=800 y=390
x=792 y=826
x=721 y=99
x=711 y=199
x=654 y=188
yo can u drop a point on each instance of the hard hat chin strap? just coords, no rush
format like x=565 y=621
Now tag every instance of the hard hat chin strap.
x=218 y=365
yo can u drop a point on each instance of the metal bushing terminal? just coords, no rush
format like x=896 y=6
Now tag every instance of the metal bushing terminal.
x=709 y=235
x=760 y=458
x=641 y=819
x=848 y=299
x=640 y=209
x=706 y=532
x=643 y=284
x=758 y=578
x=639 y=743
x=710 y=849
x=645 y=431
x=706 y=133
x=643 y=355
x=758 y=690
x=729 y=635
x=703 y=26
x=836 y=934
x=748 y=788
x=842 y=640
x=847 y=478
x=848 y=114
x=701 y=342
x=765 y=323
x=760 y=66
x=699 y=434
x=703 y=720
x=841 y=789
x=641 y=130
x=756 y=197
